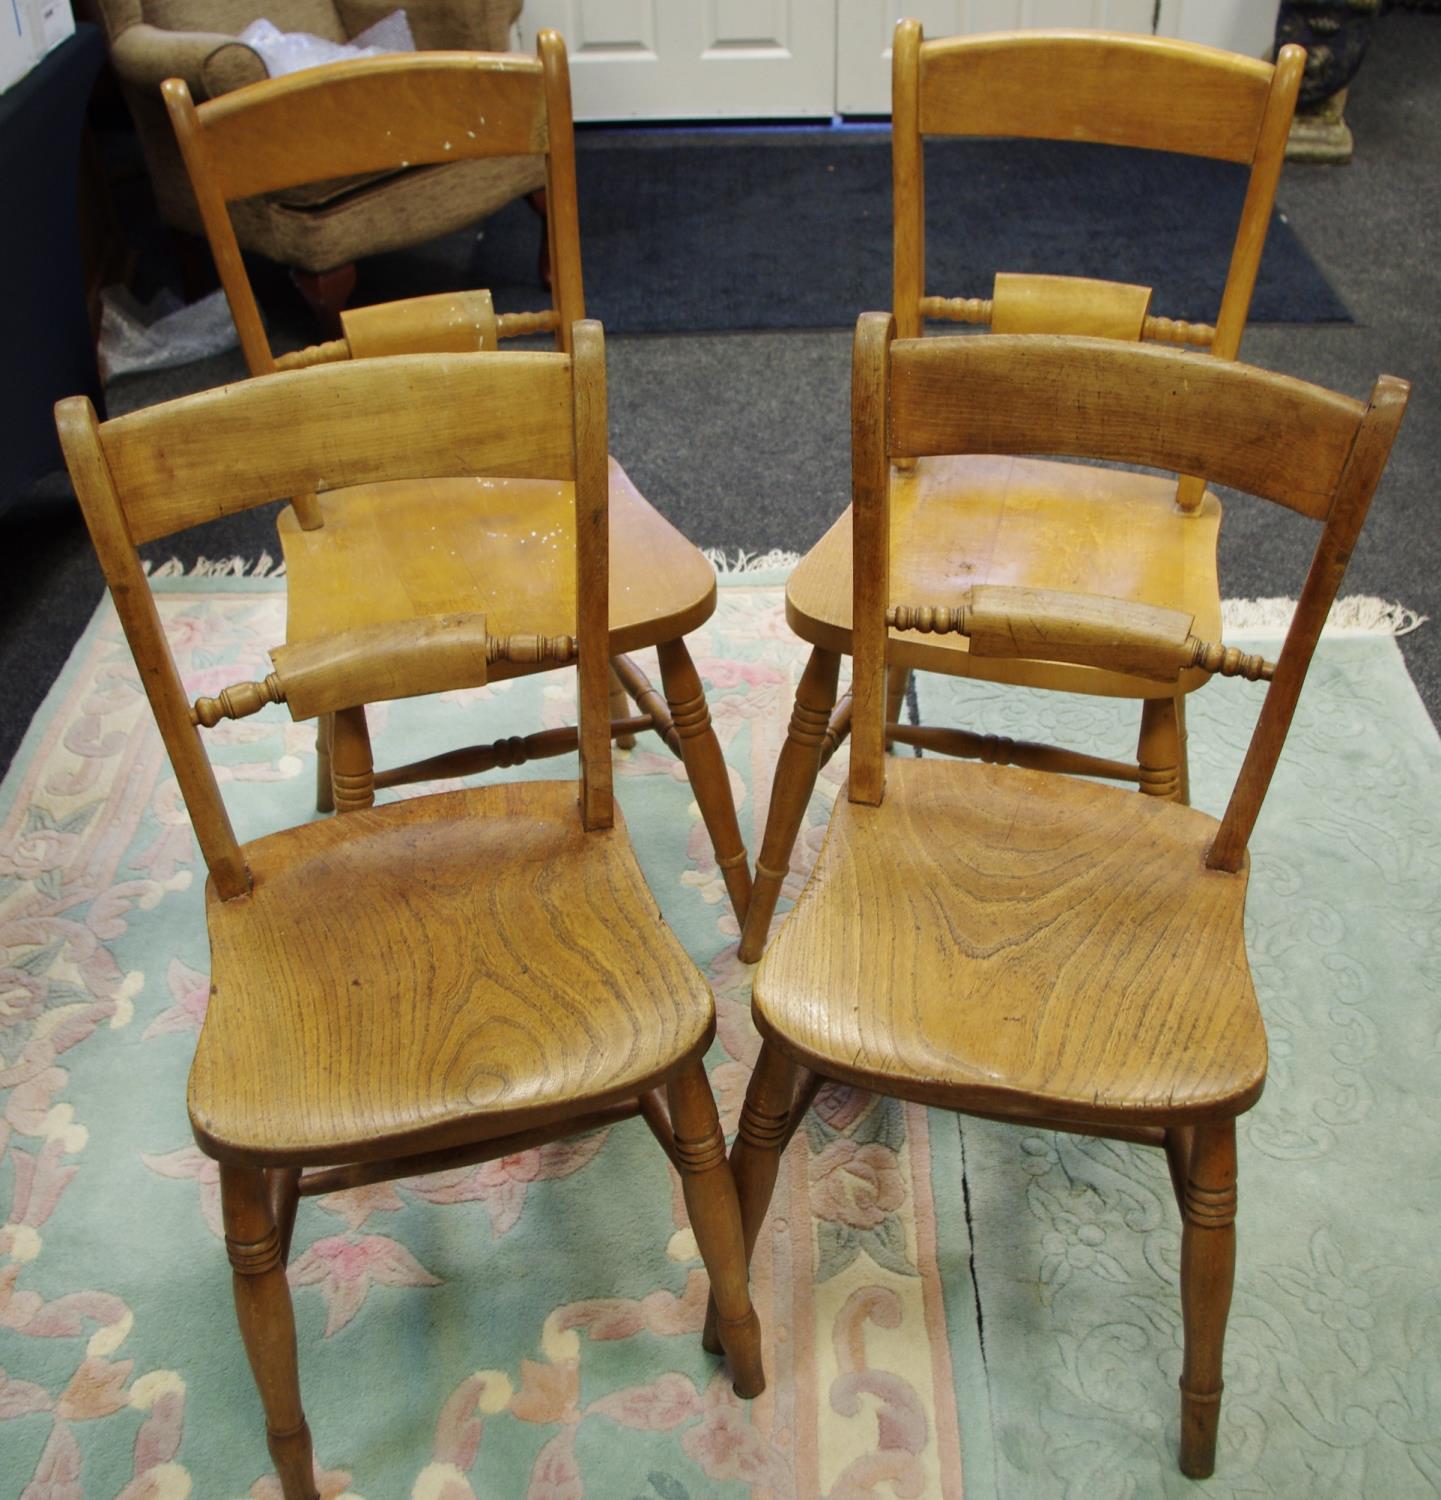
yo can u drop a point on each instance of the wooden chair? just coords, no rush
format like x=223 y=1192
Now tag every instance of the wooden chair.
x=373 y=554
x=1030 y=522
x=320 y=1050
x=1029 y=947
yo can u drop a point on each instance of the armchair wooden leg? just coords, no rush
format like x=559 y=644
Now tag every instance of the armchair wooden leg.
x=1159 y=751
x=324 y=788
x=326 y=293
x=267 y=1323
x=705 y=766
x=710 y=1200
x=1208 y=1266
x=352 y=768
x=620 y=709
x=791 y=788
x=756 y=1155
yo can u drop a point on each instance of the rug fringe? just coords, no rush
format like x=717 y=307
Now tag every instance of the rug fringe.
x=265 y=566
x=742 y=561
x=1360 y=613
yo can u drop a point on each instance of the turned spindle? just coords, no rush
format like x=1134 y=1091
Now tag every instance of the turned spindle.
x=1226 y=661
x=1178 y=331
x=238 y=701
x=530 y=648
x=1032 y=623
x=957 y=309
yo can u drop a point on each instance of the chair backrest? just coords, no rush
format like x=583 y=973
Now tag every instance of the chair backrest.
x=1097 y=86
x=378 y=115
x=1303 y=447
x=527 y=414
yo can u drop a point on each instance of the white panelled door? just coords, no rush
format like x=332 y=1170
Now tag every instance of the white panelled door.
x=808 y=59
x=693 y=59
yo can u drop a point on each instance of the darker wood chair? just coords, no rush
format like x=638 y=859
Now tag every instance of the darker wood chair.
x=1035 y=948
x=373 y=554
x=1026 y=521
x=328 y=1059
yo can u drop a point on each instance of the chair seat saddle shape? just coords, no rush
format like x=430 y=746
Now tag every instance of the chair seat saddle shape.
x=493 y=543
x=1032 y=948
x=963 y=519
x=439 y=981
x=327 y=1040
x=1007 y=927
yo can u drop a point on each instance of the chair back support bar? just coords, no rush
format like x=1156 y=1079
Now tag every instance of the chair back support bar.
x=1303 y=447
x=382 y=114
x=324 y=428
x=537 y=415
x=376 y=114
x=1128 y=403
x=1135 y=91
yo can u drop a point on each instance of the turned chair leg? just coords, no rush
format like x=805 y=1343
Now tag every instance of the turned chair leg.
x=267 y=1323
x=326 y=293
x=756 y=1155
x=324 y=787
x=1208 y=1266
x=710 y=1200
x=351 y=765
x=791 y=787
x=1183 y=751
x=620 y=709
x=705 y=766
x=1159 y=750
x=897 y=682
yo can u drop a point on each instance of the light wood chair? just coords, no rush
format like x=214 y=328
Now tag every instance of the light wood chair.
x=326 y=1060
x=1030 y=522
x=1029 y=947
x=379 y=554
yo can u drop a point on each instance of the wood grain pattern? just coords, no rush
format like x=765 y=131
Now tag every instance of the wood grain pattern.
x=443 y=323
x=1020 y=943
x=177 y=468
x=1157 y=407
x=1095 y=86
x=498 y=546
x=1071 y=527
x=425 y=973
x=1068 y=304
x=375 y=114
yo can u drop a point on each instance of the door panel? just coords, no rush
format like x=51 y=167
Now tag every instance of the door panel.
x=693 y=59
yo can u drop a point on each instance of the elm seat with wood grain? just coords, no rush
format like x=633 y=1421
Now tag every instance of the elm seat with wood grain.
x=1035 y=949
x=964 y=519
x=391 y=551
x=445 y=980
x=328 y=1040
x=416 y=547
x=1117 y=534
x=991 y=908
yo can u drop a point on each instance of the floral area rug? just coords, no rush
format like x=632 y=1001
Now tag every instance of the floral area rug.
x=950 y=1307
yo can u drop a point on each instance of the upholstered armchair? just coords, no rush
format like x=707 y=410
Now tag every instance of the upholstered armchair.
x=321 y=230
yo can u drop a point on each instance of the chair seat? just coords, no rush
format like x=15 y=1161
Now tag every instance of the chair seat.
x=1015 y=943
x=434 y=972
x=501 y=546
x=963 y=520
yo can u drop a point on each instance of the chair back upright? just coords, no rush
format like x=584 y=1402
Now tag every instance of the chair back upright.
x=377 y=115
x=528 y=414
x=1300 y=446
x=1102 y=87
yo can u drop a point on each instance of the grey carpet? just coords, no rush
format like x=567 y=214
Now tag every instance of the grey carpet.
x=742 y=438
x=682 y=237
